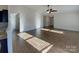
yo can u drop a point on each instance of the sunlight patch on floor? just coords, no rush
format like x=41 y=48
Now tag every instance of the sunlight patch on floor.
x=47 y=49
x=55 y=31
x=38 y=43
x=24 y=35
x=45 y=29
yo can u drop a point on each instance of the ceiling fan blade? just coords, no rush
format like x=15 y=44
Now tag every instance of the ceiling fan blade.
x=50 y=10
x=54 y=10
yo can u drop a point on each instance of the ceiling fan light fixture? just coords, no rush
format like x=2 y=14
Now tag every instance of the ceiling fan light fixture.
x=50 y=10
x=47 y=12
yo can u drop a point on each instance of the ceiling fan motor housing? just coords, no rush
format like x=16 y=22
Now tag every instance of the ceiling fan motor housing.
x=50 y=10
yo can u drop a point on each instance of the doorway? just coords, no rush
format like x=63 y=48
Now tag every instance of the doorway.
x=17 y=23
x=48 y=22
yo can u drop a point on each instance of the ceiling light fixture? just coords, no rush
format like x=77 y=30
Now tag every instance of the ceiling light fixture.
x=50 y=10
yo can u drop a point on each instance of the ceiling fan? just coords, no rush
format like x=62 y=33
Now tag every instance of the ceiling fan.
x=50 y=10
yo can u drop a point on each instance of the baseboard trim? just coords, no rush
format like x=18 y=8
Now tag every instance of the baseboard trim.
x=66 y=30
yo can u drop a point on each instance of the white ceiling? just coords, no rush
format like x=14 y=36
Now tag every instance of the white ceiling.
x=60 y=8
x=67 y=8
x=3 y=7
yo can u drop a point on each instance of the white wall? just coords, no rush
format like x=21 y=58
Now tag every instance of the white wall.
x=31 y=16
x=3 y=7
x=46 y=21
x=29 y=19
x=67 y=18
